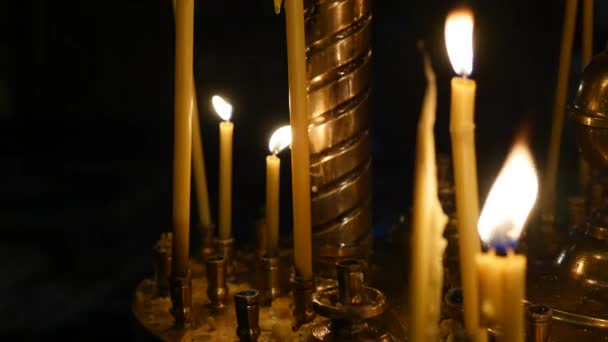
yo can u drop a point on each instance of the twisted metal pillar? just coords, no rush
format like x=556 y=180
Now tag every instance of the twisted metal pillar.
x=338 y=34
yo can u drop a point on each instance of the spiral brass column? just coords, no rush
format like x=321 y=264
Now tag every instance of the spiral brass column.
x=338 y=34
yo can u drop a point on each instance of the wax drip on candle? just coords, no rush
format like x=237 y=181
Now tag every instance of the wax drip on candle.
x=509 y=202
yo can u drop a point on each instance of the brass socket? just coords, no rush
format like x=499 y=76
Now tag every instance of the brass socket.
x=271 y=278
x=538 y=318
x=181 y=296
x=302 y=298
x=350 y=281
x=216 y=280
x=247 y=309
x=225 y=249
x=162 y=264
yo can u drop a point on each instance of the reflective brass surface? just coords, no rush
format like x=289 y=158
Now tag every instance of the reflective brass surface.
x=590 y=112
x=217 y=291
x=302 y=300
x=572 y=277
x=181 y=299
x=225 y=249
x=162 y=264
x=538 y=323
x=271 y=278
x=351 y=307
x=338 y=36
x=247 y=307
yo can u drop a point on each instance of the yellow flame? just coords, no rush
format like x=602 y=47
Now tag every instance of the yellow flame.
x=511 y=198
x=280 y=139
x=459 y=40
x=222 y=107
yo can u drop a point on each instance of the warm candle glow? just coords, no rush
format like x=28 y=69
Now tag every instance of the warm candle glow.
x=280 y=139
x=510 y=200
x=222 y=107
x=459 y=41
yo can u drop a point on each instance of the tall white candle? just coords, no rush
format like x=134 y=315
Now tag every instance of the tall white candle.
x=182 y=146
x=459 y=42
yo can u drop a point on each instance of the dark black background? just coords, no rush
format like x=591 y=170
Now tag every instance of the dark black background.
x=86 y=104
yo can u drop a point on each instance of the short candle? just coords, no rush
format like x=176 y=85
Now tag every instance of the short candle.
x=502 y=277
x=224 y=110
x=279 y=140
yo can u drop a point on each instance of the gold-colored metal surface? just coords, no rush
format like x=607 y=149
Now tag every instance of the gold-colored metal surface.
x=162 y=264
x=590 y=112
x=538 y=319
x=217 y=291
x=572 y=277
x=302 y=294
x=247 y=307
x=271 y=278
x=225 y=249
x=351 y=307
x=181 y=299
x=338 y=36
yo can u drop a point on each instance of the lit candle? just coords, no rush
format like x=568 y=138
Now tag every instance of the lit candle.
x=428 y=223
x=563 y=74
x=300 y=163
x=502 y=278
x=182 y=148
x=459 y=42
x=280 y=139
x=224 y=110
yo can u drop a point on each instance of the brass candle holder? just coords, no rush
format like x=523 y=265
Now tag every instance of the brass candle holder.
x=351 y=307
x=217 y=291
x=225 y=249
x=181 y=297
x=247 y=307
x=162 y=264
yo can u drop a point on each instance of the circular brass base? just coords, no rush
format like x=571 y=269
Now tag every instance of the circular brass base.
x=567 y=272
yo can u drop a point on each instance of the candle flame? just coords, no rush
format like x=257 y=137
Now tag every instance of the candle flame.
x=222 y=107
x=459 y=40
x=510 y=200
x=280 y=139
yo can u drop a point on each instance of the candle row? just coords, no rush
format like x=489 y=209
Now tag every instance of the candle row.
x=186 y=112
x=493 y=283
x=279 y=140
